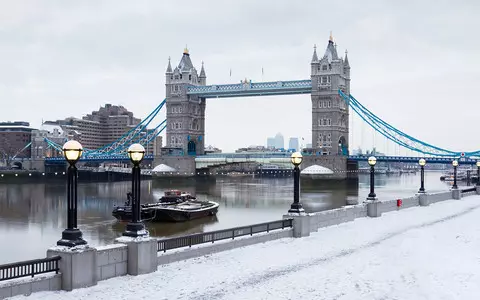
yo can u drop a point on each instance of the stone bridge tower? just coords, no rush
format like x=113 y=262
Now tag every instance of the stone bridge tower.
x=185 y=114
x=329 y=110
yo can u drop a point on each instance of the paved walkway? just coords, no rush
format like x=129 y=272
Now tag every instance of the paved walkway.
x=417 y=253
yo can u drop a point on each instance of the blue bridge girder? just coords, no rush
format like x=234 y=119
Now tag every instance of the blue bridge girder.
x=116 y=158
x=409 y=159
x=248 y=89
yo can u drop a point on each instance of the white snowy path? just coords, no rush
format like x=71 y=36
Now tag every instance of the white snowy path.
x=418 y=253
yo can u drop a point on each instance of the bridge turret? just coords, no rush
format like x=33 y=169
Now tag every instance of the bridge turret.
x=329 y=110
x=203 y=76
x=185 y=113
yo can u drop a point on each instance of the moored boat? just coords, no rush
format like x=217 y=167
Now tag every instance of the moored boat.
x=174 y=206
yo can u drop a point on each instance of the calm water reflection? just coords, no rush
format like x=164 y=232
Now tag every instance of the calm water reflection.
x=32 y=216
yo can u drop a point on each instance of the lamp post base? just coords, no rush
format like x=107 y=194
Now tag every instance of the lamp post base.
x=296 y=208
x=135 y=230
x=71 y=238
x=420 y=191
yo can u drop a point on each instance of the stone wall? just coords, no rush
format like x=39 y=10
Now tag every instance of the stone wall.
x=205 y=249
x=185 y=165
x=111 y=261
x=28 y=285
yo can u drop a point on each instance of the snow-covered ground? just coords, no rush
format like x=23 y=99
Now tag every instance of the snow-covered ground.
x=418 y=253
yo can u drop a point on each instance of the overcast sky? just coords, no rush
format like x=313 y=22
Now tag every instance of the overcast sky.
x=416 y=64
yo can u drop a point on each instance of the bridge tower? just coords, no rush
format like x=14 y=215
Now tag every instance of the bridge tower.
x=329 y=111
x=185 y=114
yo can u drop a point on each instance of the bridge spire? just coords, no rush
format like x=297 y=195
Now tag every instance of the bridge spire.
x=346 y=63
x=315 y=56
x=331 y=37
x=169 y=68
x=202 y=72
x=185 y=51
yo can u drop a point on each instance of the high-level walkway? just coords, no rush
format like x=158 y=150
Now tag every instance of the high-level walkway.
x=418 y=253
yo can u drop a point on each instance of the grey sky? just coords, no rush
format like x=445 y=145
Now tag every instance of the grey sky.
x=414 y=63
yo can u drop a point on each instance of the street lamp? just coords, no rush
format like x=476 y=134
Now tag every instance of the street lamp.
x=422 y=162
x=455 y=164
x=296 y=206
x=372 y=161
x=135 y=228
x=478 y=173
x=72 y=236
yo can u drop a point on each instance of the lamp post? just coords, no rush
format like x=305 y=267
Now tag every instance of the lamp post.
x=135 y=228
x=455 y=164
x=422 y=163
x=296 y=206
x=72 y=236
x=478 y=173
x=372 y=161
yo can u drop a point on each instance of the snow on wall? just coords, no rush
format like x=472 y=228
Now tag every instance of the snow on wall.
x=27 y=285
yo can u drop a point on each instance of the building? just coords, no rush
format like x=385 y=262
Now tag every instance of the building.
x=329 y=74
x=270 y=142
x=210 y=149
x=104 y=127
x=293 y=144
x=15 y=138
x=51 y=131
x=185 y=114
x=276 y=142
x=279 y=142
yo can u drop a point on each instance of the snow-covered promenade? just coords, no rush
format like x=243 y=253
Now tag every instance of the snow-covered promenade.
x=418 y=253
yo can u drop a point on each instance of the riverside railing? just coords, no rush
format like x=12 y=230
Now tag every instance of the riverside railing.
x=212 y=236
x=29 y=268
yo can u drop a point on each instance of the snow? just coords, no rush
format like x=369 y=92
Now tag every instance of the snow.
x=416 y=253
x=79 y=248
x=316 y=169
x=110 y=247
x=127 y=239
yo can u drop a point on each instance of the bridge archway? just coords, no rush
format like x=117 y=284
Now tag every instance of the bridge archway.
x=342 y=146
x=192 y=148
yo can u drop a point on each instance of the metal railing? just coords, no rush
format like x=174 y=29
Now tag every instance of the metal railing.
x=29 y=268
x=212 y=236
x=468 y=190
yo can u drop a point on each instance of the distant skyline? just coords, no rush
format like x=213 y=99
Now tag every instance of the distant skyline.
x=414 y=63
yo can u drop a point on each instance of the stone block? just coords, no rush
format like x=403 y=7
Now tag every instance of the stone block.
x=478 y=188
x=301 y=224
x=78 y=266
x=424 y=199
x=373 y=208
x=41 y=285
x=102 y=258
x=107 y=272
x=114 y=256
x=22 y=289
x=456 y=194
x=5 y=292
x=56 y=283
x=142 y=254
x=121 y=268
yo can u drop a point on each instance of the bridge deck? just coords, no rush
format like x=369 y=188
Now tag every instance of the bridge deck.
x=252 y=89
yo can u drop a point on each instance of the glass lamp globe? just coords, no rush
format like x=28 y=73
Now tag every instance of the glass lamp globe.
x=296 y=158
x=72 y=150
x=478 y=163
x=136 y=153
x=372 y=160
x=422 y=162
x=455 y=163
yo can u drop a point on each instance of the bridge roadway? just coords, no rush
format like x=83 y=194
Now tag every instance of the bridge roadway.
x=282 y=159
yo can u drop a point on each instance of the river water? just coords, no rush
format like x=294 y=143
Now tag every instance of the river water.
x=32 y=216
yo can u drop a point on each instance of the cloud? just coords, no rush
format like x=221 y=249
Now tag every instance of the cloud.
x=413 y=63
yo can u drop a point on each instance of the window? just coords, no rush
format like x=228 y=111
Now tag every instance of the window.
x=329 y=104
x=324 y=122
x=180 y=76
x=329 y=122
x=189 y=77
x=324 y=67
x=177 y=77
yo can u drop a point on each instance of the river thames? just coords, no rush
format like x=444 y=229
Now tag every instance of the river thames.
x=32 y=216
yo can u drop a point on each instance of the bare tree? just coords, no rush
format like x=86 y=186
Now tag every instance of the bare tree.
x=7 y=151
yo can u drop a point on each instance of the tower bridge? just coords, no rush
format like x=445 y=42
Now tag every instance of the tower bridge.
x=186 y=94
